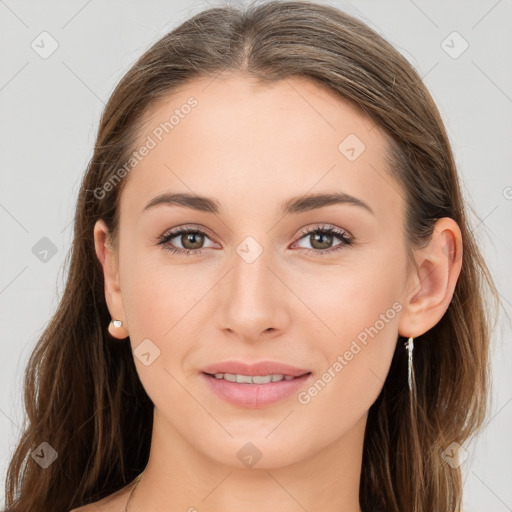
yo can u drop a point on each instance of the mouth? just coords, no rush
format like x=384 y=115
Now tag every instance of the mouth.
x=254 y=391
x=255 y=379
x=274 y=369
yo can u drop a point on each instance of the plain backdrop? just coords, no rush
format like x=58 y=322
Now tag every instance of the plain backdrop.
x=51 y=106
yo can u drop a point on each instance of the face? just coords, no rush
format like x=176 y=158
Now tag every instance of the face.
x=317 y=286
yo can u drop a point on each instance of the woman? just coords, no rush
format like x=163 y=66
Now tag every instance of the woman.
x=274 y=300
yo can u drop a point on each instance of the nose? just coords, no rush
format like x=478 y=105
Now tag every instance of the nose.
x=253 y=299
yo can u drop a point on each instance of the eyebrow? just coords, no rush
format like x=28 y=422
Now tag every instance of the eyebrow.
x=294 y=205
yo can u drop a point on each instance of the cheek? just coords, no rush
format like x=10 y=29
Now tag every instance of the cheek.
x=354 y=365
x=155 y=294
x=343 y=300
x=164 y=304
x=359 y=311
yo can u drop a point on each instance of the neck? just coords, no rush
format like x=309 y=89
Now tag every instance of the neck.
x=180 y=476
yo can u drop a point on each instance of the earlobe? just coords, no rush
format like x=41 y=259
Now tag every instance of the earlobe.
x=109 y=262
x=116 y=329
x=432 y=283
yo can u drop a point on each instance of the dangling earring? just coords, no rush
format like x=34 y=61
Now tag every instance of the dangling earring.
x=410 y=347
x=114 y=327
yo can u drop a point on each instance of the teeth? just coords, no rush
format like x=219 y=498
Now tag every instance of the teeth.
x=256 y=379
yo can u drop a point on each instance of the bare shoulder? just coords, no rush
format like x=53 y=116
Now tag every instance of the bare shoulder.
x=115 y=502
x=99 y=506
x=87 y=508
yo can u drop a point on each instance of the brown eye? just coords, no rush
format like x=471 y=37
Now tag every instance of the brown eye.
x=192 y=240
x=321 y=241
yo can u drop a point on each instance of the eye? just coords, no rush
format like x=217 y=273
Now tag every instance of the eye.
x=191 y=240
x=321 y=239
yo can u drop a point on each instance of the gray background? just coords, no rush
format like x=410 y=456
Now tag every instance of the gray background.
x=50 y=112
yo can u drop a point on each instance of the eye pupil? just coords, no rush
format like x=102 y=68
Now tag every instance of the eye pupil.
x=317 y=237
x=190 y=237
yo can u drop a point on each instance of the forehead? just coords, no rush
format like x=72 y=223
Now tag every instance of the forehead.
x=230 y=137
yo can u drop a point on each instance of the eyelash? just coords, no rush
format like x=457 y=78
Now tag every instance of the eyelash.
x=346 y=240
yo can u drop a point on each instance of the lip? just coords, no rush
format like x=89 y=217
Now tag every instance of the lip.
x=254 y=396
x=261 y=368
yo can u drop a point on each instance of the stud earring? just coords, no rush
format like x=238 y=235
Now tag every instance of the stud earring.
x=114 y=327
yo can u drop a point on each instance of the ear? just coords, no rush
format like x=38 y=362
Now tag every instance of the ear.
x=432 y=283
x=109 y=260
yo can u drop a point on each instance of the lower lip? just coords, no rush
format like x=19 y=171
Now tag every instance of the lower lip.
x=255 y=396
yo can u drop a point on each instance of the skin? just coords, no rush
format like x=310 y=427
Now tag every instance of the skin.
x=251 y=147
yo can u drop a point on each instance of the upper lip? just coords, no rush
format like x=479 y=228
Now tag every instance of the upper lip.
x=261 y=368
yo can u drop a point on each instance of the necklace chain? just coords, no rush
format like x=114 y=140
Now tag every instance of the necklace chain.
x=132 y=491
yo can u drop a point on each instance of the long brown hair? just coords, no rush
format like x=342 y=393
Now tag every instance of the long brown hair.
x=82 y=394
